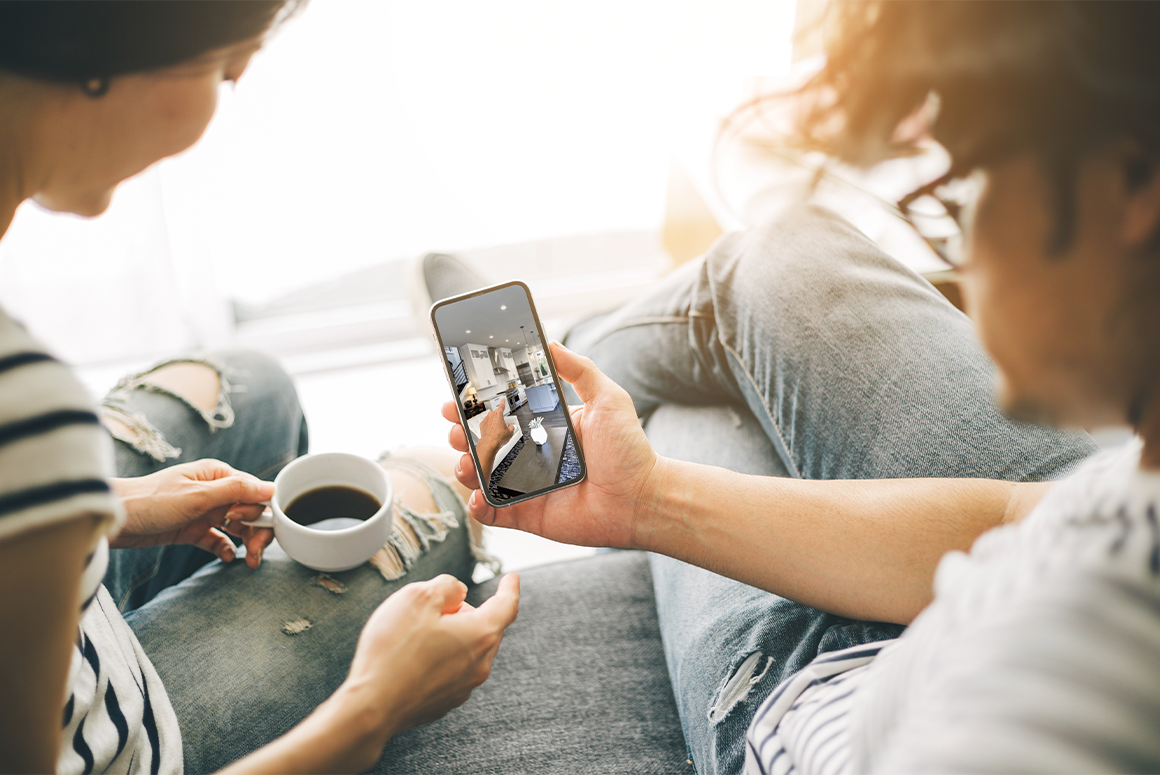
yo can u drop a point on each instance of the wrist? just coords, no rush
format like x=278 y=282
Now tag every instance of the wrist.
x=124 y=490
x=659 y=517
x=486 y=448
x=354 y=726
x=343 y=734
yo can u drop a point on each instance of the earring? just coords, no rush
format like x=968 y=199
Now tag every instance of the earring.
x=95 y=87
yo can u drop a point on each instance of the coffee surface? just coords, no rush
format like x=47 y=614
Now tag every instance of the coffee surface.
x=324 y=503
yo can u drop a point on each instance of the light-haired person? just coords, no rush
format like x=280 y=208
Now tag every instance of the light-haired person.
x=840 y=469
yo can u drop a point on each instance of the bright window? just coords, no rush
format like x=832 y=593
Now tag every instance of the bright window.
x=373 y=130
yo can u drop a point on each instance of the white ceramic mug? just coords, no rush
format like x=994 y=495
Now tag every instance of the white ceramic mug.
x=332 y=545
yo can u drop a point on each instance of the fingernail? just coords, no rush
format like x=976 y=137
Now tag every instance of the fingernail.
x=228 y=554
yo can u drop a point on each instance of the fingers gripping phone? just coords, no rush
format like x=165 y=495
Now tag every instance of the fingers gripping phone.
x=510 y=399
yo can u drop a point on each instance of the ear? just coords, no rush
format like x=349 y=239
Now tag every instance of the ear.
x=1140 y=165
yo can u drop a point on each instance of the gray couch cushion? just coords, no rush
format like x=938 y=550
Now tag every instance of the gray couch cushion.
x=579 y=684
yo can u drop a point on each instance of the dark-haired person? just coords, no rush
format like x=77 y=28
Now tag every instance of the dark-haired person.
x=209 y=667
x=888 y=487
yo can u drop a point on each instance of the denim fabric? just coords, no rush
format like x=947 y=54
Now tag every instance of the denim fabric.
x=246 y=654
x=267 y=431
x=813 y=355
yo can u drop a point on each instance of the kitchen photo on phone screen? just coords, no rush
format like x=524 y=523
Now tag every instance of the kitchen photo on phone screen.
x=501 y=375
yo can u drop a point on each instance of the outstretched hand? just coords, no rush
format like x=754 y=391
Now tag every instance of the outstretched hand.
x=193 y=503
x=603 y=509
x=494 y=430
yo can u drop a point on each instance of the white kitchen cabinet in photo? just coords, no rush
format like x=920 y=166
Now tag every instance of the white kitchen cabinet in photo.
x=509 y=361
x=478 y=365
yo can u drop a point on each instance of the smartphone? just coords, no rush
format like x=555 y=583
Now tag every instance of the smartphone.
x=511 y=402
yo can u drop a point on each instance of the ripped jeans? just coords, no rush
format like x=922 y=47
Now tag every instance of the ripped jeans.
x=247 y=654
x=798 y=349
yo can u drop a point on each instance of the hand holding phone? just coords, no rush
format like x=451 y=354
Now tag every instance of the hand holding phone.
x=507 y=394
x=612 y=506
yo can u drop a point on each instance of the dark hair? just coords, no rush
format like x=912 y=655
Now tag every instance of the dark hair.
x=81 y=40
x=1052 y=78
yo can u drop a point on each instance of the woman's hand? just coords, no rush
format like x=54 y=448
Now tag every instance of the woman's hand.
x=424 y=650
x=420 y=655
x=191 y=503
x=605 y=509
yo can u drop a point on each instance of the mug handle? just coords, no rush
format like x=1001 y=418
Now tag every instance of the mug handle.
x=266 y=520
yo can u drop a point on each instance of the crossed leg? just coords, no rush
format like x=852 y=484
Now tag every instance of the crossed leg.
x=798 y=349
x=245 y=654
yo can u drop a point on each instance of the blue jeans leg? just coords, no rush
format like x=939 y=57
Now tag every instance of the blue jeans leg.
x=258 y=427
x=826 y=359
x=244 y=654
x=247 y=654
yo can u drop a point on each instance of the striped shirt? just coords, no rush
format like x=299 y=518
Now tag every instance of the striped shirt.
x=804 y=724
x=1039 y=652
x=54 y=464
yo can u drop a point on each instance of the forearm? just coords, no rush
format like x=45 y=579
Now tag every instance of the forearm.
x=341 y=735
x=866 y=549
x=487 y=451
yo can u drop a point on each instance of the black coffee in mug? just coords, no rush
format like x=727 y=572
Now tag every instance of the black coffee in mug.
x=331 y=502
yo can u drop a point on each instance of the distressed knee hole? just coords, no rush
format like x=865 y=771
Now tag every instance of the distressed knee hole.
x=418 y=503
x=134 y=429
x=199 y=383
x=737 y=688
x=397 y=555
x=194 y=382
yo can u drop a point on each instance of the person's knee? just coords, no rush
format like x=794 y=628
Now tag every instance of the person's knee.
x=259 y=372
x=785 y=277
x=197 y=383
x=252 y=378
x=262 y=389
x=210 y=385
x=801 y=254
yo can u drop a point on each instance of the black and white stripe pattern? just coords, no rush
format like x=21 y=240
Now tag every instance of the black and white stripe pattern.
x=54 y=463
x=122 y=729
x=803 y=724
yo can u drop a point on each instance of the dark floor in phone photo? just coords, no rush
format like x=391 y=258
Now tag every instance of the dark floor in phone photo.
x=527 y=467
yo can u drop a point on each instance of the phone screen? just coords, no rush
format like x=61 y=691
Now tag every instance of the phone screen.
x=502 y=377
